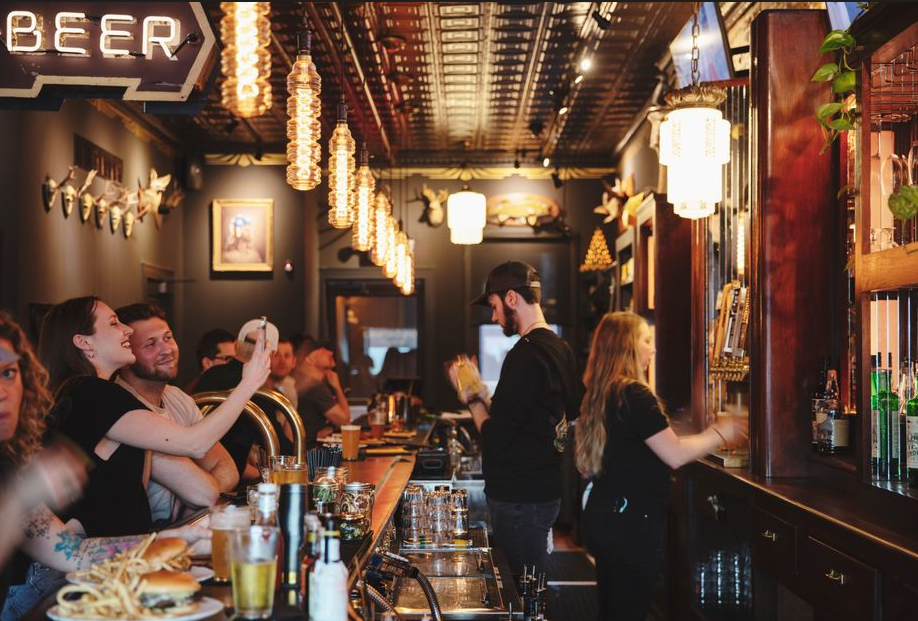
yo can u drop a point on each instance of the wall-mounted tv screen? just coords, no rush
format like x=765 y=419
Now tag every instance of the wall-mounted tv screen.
x=714 y=59
x=841 y=14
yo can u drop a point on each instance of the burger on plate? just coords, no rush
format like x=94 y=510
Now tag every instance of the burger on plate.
x=168 y=553
x=171 y=592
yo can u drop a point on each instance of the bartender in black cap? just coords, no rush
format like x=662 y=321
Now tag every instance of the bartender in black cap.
x=523 y=427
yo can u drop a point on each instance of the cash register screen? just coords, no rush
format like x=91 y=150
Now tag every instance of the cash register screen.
x=492 y=349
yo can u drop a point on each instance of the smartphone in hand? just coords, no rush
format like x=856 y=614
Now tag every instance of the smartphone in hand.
x=264 y=333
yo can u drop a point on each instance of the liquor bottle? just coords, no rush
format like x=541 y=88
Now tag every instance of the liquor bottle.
x=890 y=409
x=911 y=434
x=817 y=405
x=328 y=580
x=312 y=546
x=266 y=515
x=875 y=415
x=906 y=392
x=882 y=424
x=829 y=416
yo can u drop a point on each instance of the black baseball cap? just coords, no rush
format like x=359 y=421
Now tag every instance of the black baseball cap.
x=506 y=276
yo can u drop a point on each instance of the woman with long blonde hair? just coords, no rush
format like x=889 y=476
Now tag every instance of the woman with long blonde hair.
x=625 y=447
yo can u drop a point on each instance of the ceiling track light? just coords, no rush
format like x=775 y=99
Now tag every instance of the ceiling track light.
x=246 y=60
x=601 y=22
x=586 y=63
x=556 y=179
x=546 y=162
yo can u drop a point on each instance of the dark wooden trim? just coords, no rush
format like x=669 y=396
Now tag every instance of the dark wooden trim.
x=792 y=236
x=699 y=324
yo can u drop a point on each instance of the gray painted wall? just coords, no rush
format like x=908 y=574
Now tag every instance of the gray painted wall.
x=217 y=300
x=47 y=258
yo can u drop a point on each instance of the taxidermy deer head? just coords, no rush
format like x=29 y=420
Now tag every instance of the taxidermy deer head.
x=433 y=205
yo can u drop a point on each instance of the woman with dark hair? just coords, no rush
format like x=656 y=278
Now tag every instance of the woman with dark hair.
x=33 y=478
x=624 y=445
x=84 y=345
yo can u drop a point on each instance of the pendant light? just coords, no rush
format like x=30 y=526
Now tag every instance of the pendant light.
x=246 y=60
x=304 y=107
x=390 y=269
x=341 y=173
x=695 y=143
x=401 y=254
x=379 y=251
x=408 y=285
x=361 y=238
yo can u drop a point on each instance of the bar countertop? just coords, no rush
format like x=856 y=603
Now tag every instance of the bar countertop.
x=388 y=474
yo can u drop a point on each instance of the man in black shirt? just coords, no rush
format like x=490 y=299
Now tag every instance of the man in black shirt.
x=539 y=385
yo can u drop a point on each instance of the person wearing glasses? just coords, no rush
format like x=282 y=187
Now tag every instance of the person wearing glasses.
x=215 y=347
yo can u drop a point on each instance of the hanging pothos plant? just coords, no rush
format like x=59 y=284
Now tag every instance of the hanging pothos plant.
x=837 y=116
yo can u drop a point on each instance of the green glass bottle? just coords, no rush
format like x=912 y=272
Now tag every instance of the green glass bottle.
x=874 y=415
x=911 y=434
x=888 y=402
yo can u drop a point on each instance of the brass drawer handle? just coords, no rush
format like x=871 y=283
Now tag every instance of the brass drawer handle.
x=837 y=577
x=772 y=537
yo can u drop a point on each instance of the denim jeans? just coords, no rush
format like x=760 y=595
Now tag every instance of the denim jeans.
x=521 y=530
x=40 y=581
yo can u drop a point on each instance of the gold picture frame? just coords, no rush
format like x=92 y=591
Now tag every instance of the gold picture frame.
x=242 y=235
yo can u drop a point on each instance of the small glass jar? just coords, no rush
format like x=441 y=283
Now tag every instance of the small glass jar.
x=353 y=527
x=358 y=497
x=325 y=496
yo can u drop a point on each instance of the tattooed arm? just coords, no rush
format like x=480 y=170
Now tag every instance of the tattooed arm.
x=48 y=541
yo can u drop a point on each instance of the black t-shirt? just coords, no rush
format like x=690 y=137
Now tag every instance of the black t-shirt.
x=629 y=467
x=244 y=433
x=114 y=502
x=312 y=404
x=538 y=384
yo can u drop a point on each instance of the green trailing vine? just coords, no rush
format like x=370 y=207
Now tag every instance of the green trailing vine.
x=837 y=116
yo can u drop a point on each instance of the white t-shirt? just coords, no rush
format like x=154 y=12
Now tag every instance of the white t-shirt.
x=181 y=409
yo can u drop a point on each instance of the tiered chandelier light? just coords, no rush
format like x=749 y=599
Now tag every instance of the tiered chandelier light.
x=362 y=238
x=246 y=60
x=303 y=109
x=342 y=176
x=466 y=216
x=379 y=251
x=695 y=144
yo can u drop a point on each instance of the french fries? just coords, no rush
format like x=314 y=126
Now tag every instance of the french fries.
x=110 y=589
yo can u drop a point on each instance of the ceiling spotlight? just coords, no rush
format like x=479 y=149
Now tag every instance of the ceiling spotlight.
x=259 y=152
x=602 y=22
x=563 y=110
x=585 y=63
x=556 y=179
x=546 y=162
x=516 y=162
x=535 y=128
x=578 y=79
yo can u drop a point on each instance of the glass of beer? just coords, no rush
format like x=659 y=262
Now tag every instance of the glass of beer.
x=254 y=571
x=377 y=417
x=350 y=442
x=293 y=473
x=223 y=522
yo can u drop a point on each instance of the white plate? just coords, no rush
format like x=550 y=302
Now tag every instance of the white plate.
x=200 y=574
x=205 y=607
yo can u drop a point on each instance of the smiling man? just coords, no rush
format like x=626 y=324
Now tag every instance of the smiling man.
x=176 y=482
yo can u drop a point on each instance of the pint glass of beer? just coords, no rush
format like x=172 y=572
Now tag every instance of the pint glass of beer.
x=350 y=441
x=223 y=522
x=254 y=570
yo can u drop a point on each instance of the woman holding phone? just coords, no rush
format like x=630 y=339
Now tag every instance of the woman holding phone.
x=83 y=344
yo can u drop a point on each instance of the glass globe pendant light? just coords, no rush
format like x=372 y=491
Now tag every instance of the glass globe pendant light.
x=466 y=216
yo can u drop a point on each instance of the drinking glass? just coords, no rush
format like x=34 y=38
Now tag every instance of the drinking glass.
x=377 y=418
x=224 y=521
x=350 y=442
x=254 y=571
x=293 y=473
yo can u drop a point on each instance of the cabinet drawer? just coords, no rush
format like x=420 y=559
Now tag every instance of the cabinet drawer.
x=837 y=582
x=774 y=544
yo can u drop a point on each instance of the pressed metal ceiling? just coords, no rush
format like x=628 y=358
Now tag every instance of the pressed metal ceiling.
x=442 y=83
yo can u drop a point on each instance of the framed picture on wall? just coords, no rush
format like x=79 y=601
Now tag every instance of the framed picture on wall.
x=243 y=235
